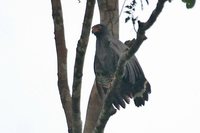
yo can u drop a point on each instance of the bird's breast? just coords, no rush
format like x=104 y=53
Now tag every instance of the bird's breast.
x=105 y=60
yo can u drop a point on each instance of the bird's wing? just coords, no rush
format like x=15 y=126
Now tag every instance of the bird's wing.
x=132 y=70
x=134 y=82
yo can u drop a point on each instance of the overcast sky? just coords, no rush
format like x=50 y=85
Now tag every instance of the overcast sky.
x=29 y=98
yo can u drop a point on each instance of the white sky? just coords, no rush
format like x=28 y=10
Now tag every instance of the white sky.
x=29 y=96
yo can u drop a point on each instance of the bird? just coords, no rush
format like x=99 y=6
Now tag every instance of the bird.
x=134 y=84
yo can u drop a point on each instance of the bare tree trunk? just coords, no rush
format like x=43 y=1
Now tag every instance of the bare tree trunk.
x=94 y=107
x=62 y=61
x=109 y=16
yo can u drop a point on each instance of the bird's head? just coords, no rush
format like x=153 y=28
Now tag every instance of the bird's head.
x=99 y=30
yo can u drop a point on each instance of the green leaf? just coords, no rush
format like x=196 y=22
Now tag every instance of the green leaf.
x=189 y=3
x=129 y=7
x=128 y=12
x=147 y=2
x=127 y=19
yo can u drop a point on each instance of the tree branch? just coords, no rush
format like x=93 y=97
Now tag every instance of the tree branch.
x=106 y=113
x=78 y=68
x=62 y=61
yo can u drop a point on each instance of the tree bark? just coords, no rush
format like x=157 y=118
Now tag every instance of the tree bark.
x=109 y=15
x=62 y=61
x=93 y=110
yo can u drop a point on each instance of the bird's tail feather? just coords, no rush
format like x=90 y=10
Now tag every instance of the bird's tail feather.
x=141 y=96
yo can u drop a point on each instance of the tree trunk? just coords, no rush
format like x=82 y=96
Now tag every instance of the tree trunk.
x=109 y=15
x=94 y=107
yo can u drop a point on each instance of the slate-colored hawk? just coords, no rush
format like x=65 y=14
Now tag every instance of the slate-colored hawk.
x=108 y=51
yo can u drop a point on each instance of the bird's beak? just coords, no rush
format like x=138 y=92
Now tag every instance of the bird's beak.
x=95 y=30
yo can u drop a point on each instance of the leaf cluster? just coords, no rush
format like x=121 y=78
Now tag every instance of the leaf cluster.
x=130 y=11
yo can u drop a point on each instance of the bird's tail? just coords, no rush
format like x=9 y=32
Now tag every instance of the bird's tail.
x=143 y=95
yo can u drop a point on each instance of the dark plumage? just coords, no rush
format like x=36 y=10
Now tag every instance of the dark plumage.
x=108 y=50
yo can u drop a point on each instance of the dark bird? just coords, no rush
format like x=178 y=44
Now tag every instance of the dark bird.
x=108 y=51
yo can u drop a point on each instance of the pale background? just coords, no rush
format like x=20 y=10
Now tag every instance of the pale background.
x=29 y=98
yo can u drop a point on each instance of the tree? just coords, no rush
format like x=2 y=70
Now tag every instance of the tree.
x=109 y=16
